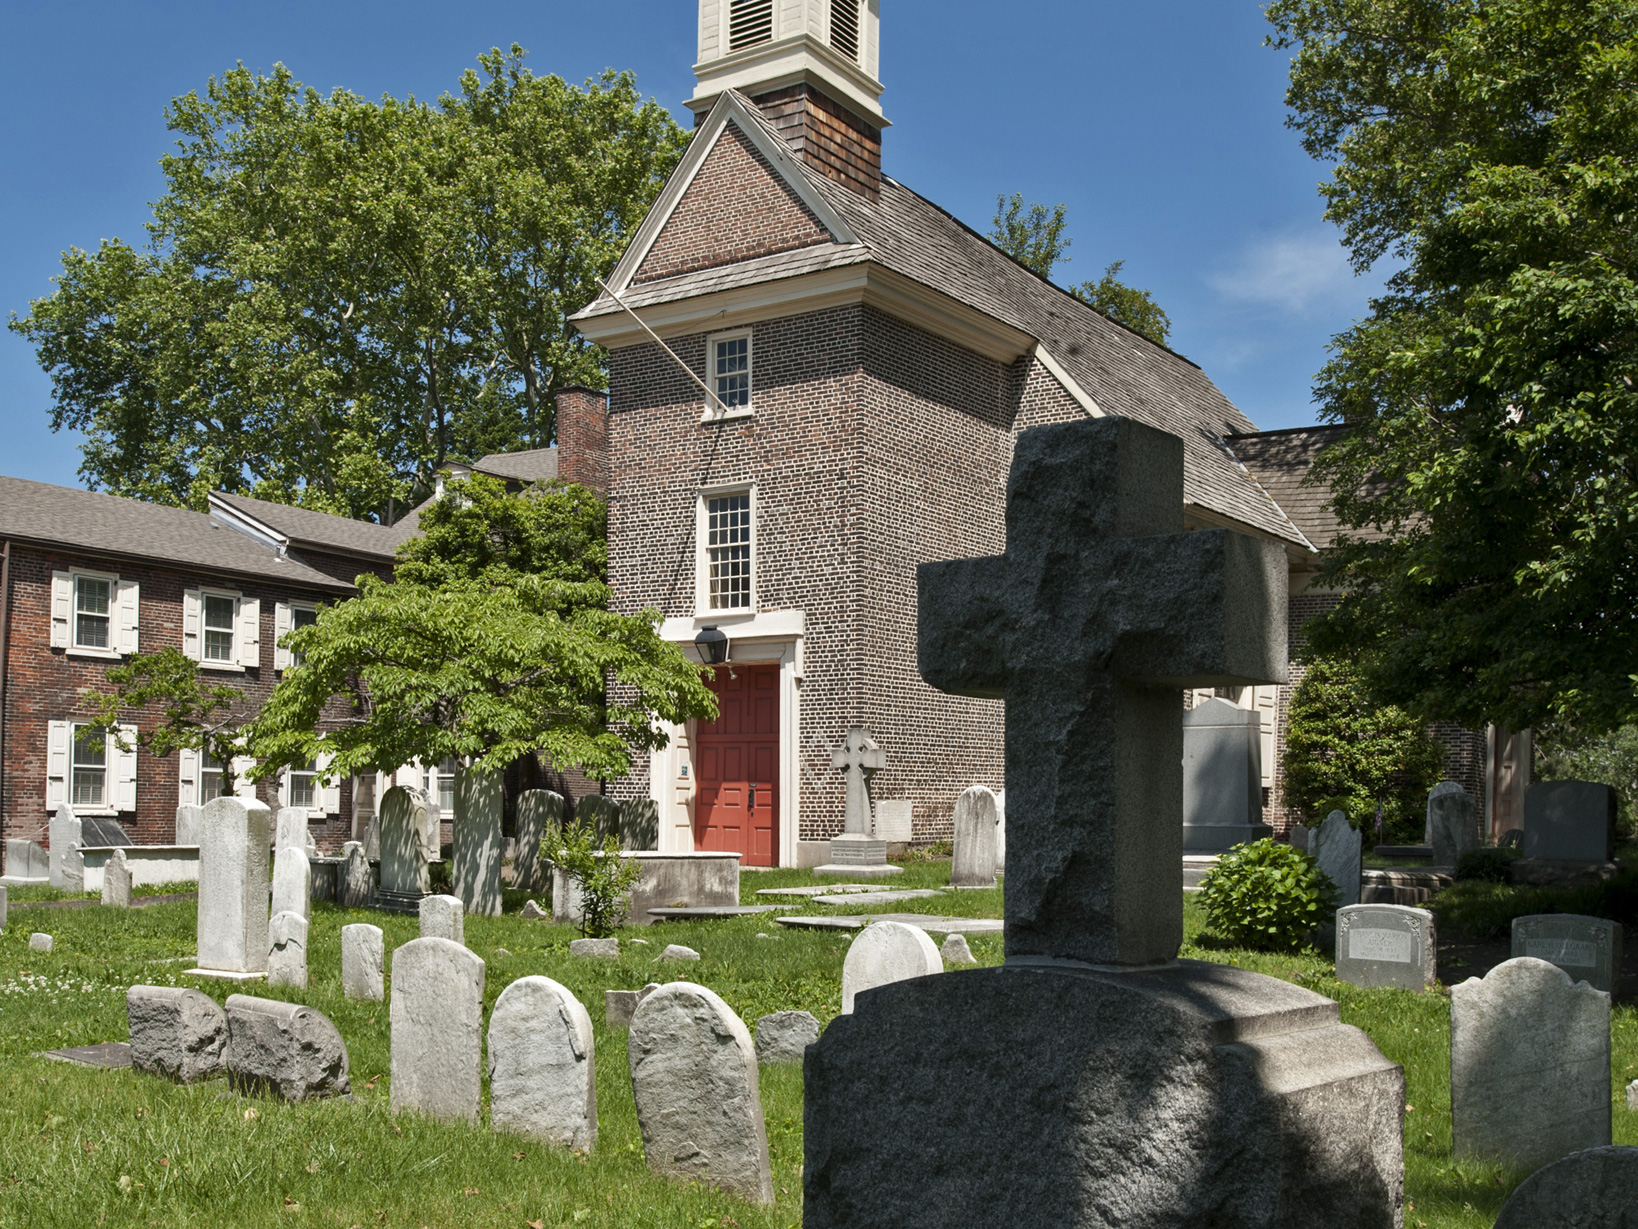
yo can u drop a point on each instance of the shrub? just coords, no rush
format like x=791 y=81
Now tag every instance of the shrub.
x=1489 y=864
x=1266 y=895
x=604 y=878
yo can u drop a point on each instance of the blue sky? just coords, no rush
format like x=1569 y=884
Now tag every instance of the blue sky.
x=1160 y=125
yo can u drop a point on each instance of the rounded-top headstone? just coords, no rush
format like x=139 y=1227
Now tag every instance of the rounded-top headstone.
x=363 y=949
x=887 y=952
x=694 y=1078
x=437 y=1029
x=116 y=881
x=1453 y=823
x=975 y=855
x=1335 y=845
x=1595 y=1189
x=541 y=1064
x=289 y=1049
x=784 y=1036
x=443 y=917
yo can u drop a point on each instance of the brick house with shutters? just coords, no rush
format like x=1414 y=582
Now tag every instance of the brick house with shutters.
x=816 y=378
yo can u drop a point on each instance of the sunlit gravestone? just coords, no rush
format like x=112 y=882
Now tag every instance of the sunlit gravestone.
x=1186 y=1092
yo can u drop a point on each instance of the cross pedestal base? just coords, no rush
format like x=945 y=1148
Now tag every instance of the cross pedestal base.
x=857 y=855
x=1220 y=838
x=1183 y=1094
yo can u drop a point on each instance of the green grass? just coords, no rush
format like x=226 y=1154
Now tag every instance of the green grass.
x=81 y=1147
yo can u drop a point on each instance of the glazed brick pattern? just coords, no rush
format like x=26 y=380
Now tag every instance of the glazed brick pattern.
x=736 y=209
x=45 y=684
x=583 y=437
x=827 y=136
x=874 y=447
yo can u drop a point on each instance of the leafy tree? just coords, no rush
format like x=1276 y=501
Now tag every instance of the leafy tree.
x=604 y=878
x=194 y=715
x=1125 y=305
x=493 y=641
x=337 y=295
x=1343 y=752
x=1493 y=449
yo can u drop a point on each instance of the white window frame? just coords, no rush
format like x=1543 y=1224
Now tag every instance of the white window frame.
x=247 y=614
x=119 y=769
x=714 y=413
x=124 y=611
x=702 y=551
x=284 y=622
x=326 y=789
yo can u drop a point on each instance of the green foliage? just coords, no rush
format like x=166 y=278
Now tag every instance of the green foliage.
x=604 y=878
x=1491 y=863
x=192 y=714
x=1485 y=908
x=1125 y=305
x=1266 y=895
x=1033 y=235
x=1493 y=150
x=337 y=295
x=466 y=654
x=1344 y=752
x=1565 y=753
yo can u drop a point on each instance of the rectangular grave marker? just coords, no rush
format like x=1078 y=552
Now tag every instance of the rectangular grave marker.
x=1587 y=948
x=1386 y=945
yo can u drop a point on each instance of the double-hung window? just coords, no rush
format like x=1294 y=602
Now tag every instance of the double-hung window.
x=218 y=619
x=221 y=629
x=445 y=781
x=90 y=768
x=212 y=773
x=303 y=785
x=728 y=551
x=92 y=613
x=728 y=363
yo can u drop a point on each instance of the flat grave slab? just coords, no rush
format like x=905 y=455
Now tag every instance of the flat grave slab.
x=930 y=922
x=108 y=1054
x=876 y=898
x=820 y=889
x=684 y=912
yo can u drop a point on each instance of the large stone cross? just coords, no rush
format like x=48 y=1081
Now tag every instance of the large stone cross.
x=860 y=758
x=1100 y=611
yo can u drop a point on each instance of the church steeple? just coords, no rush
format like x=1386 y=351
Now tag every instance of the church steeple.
x=811 y=66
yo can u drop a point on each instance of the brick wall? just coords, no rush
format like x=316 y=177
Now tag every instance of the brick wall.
x=583 y=437
x=736 y=209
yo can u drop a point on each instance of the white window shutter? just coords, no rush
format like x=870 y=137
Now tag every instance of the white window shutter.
x=242 y=787
x=125 y=769
x=187 y=776
x=193 y=607
x=249 y=637
x=281 y=626
x=129 y=612
x=283 y=792
x=329 y=790
x=1267 y=703
x=62 y=609
x=59 y=738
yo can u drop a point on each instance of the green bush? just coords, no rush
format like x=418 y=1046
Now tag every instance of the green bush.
x=604 y=878
x=1266 y=895
x=1491 y=864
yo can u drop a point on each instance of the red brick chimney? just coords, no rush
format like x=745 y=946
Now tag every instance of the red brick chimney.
x=583 y=437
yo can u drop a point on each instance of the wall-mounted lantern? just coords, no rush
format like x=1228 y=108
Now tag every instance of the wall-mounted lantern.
x=712 y=644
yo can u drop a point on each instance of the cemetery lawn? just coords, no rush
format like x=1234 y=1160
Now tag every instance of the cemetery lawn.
x=82 y=1147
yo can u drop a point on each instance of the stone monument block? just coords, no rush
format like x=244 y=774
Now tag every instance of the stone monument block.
x=189 y=822
x=116 y=882
x=404 y=822
x=289 y=830
x=886 y=952
x=1222 y=777
x=784 y=1036
x=1587 y=948
x=437 y=1030
x=363 y=960
x=292 y=880
x=540 y=813
x=1387 y=945
x=602 y=814
x=284 y=1049
x=176 y=1032
x=66 y=869
x=975 y=853
x=287 y=949
x=233 y=888
x=1595 y=1189
x=895 y=821
x=1335 y=845
x=1453 y=823
x=1569 y=821
x=355 y=883
x=542 y=1079
x=479 y=801
x=443 y=917
x=694 y=1076
x=618 y=1005
x=1529 y=1065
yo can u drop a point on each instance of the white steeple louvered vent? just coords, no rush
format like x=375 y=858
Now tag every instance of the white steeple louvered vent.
x=844 y=27
x=749 y=22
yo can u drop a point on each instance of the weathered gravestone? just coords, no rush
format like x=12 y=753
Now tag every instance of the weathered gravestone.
x=479 y=799
x=443 y=917
x=1335 y=845
x=176 y=1032
x=284 y=1049
x=1569 y=821
x=1386 y=945
x=639 y=824
x=541 y=1065
x=233 y=889
x=1529 y=1065
x=601 y=814
x=287 y=949
x=39 y=941
x=405 y=822
x=883 y=953
x=1595 y=1189
x=693 y=1074
x=540 y=814
x=1094 y=1079
x=784 y=1036
x=954 y=950
x=355 y=886
x=437 y=1029
x=363 y=959
x=292 y=881
x=66 y=866
x=1587 y=948
x=1222 y=777
x=974 y=861
x=189 y=823
x=27 y=860
x=1453 y=823
x=116 y=882
x=858 y=851
x=290 y=830
x=618 y=1005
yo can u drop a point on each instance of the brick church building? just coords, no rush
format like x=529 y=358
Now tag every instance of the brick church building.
x=848 y=370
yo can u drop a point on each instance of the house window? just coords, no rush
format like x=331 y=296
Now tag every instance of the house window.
x=445 y=783
x=300 y=617
x=731 y=367
x=91 y=613
x=728 y=550
x=212 y=775
x=218 y=628
x=304 y=785
x=90 y=767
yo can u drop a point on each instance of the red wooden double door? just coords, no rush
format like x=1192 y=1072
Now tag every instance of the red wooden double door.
x=736 y=764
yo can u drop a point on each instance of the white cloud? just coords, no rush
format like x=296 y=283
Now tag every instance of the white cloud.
x=1294 y=273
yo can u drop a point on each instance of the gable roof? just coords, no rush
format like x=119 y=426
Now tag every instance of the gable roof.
x=1280 y=461
x=285 y=526
x=530 y=465
x=1116 y=370
x=111 y=525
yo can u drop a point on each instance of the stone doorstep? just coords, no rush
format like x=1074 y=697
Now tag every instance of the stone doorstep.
x=110 y=1054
